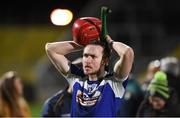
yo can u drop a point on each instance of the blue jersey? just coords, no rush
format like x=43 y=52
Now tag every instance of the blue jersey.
x=96 y=98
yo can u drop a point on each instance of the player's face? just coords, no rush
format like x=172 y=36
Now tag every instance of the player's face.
x=92 y=58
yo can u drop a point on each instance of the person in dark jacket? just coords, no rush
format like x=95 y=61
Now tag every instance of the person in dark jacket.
x=160 y=100
x=152 y=68
x=58 y=105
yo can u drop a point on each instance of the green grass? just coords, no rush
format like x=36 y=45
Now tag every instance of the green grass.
x=36 y=109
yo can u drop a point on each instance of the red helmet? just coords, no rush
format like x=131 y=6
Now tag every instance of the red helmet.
x=86 y=29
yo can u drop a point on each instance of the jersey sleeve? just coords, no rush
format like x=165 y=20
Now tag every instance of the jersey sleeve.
x=118 y=86
x=74 y=74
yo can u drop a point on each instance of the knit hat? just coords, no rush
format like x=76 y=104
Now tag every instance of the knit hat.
x=159 y=85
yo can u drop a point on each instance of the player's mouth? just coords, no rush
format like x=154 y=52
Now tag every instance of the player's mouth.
x=88 y=67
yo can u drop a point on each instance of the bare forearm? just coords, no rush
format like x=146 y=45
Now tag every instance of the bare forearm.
x=124 y=64
x=126 y=57
x=62 y=48
x=56 y=52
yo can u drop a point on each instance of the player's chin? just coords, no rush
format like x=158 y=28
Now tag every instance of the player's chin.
x=87 y=72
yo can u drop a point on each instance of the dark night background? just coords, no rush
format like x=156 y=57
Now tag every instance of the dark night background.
x=150 y=27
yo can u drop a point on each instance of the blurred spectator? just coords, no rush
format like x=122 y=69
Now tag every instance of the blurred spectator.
x=12 y=102
x=161 y=100
x=59 y=105
x=170 y=65
x=152 y=68
x=132 y=98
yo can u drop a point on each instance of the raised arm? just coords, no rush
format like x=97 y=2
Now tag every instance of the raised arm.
x=123 y=66
x=56 y=52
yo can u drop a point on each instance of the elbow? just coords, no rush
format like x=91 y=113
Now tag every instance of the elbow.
x=130 y=53
x=129 y=59
x=130 y=56
x=47 y=47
